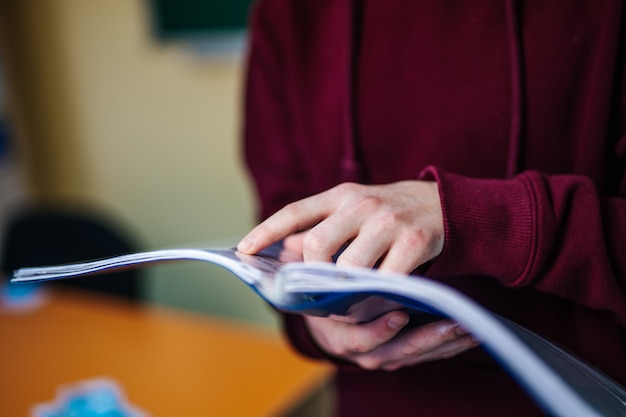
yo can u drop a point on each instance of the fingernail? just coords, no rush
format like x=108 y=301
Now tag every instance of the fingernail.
x=460 y=331
x=246 y=244
x=451 y=328
x=396 y=323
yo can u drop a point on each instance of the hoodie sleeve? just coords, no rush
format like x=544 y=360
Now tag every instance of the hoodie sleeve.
x=559 y=234
x=553 y=233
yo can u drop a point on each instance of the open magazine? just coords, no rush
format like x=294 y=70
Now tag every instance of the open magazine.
x=560 y=383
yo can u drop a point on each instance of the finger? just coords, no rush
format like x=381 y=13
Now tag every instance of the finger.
x=415 y=346
x=445 y=351
x=292 y=249
x=423 y=339
x=366 y=249
x=345 y=340
x=292 y=218
x=293 y=243
x=378 y=360
x=403 y=257
x=411 y=249
x=326 y=238
x=369 y=336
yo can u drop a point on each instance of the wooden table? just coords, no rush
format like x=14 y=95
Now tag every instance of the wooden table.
x=169 y=363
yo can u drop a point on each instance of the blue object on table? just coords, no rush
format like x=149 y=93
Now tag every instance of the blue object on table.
x=19 y=300
x=96 y=398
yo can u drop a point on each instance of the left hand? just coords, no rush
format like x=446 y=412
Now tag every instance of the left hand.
x=400 y=224
x=379 y=345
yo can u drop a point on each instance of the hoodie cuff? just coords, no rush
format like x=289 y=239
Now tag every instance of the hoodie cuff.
x=489 y=227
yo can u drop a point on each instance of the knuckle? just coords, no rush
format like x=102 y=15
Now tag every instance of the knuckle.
x=368 y=203
x=415 y=238
x=292 y=210
x=387 y=220
x=346 y=188
x=315 y=242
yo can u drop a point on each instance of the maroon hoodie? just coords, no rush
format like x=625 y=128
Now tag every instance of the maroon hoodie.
x=515 y=108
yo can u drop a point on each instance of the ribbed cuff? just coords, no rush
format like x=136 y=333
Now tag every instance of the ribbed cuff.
x=490 y=227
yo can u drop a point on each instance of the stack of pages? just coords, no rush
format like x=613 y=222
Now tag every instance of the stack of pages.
x=560 y=383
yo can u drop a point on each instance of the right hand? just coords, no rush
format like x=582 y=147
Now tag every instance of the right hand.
x=398 y=226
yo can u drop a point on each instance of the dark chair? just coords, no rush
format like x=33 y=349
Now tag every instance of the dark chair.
x=50 y=235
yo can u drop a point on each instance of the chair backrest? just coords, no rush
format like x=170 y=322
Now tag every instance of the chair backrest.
x=49 y=236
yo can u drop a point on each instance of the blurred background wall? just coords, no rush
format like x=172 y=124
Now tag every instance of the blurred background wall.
x=105 y=112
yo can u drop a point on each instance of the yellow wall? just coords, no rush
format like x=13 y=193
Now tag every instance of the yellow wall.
x=145 y=130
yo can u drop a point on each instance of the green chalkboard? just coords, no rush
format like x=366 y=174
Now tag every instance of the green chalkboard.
x=189 y=18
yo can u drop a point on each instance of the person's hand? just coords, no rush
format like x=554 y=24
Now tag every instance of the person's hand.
x=400 y=224
x=378 y=345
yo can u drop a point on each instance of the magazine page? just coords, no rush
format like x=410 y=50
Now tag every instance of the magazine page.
x=562 y=384
x=257 y=271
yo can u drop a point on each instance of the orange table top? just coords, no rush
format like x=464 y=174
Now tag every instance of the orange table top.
x=168 y=362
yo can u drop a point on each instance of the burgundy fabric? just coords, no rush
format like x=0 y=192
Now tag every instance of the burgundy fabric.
x=514 y=108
